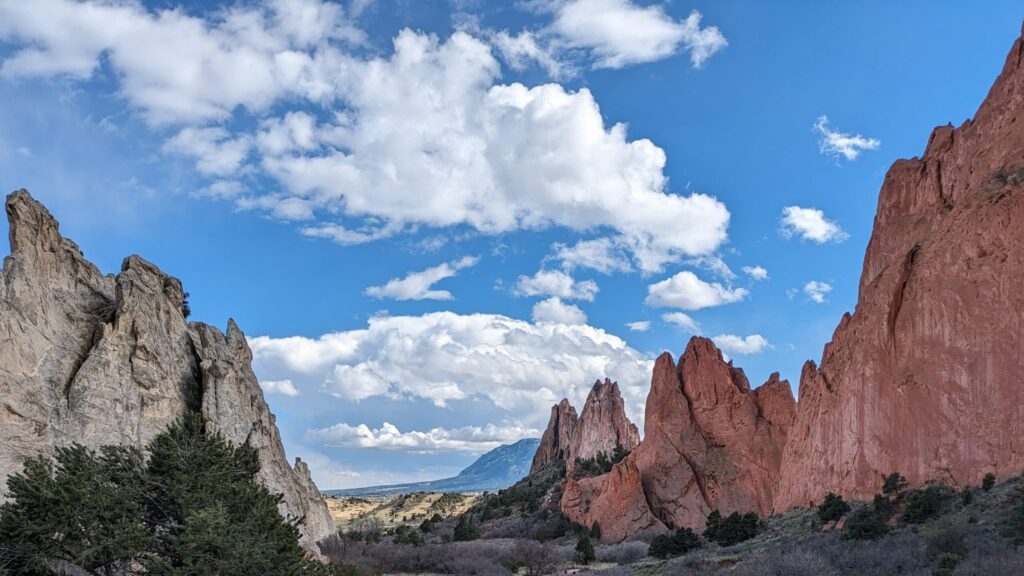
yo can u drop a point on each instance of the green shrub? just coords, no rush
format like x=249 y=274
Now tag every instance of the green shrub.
x=865 y=524
x=585 y=550
x=921 y=505
x=599 y=464
x=678 y=543
x=465 y=530
x=894 y=484
x=732 y=529
x=595 y=531
x=988 y=482
x=883 y=507
x=833 y=508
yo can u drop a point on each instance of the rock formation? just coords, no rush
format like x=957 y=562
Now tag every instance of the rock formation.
x=924 y=377
x=554 y=443
x=709 y=442
x=601 y=427
x=110 y=359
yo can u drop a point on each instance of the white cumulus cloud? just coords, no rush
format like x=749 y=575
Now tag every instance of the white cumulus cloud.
x=600 y=254
x=554 y=310
x=369 y=147
x=555 y=283
x=810 y=224
x=521 y=367
x=618 y=33
x=756 y=272
x=835 y=143
x=418 y=285
x=742 y=345
x=284 y=387
x=473 y=439
x=688 y=292
x=817 y=291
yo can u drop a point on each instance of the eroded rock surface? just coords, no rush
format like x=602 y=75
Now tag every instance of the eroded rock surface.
x=554 y=443
x=924 y=377
x=602 y=425
x=110 y=359
x=710 y=442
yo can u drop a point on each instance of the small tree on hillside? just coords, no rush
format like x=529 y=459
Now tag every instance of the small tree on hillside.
x=832 y=508
x=988 y=482
x=584 y=549
x=678 y=543
x=894 y=484
x=465 y=530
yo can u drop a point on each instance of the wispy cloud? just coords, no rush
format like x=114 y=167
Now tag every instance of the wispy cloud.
x=835 y=143
x=418 y=285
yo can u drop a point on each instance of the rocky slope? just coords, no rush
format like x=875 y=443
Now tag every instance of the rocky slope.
x=110 y=359
x=925 y=376
x=709 y=442
x=600 y=428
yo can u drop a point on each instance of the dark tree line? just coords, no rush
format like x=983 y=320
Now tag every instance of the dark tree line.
x=194 y=507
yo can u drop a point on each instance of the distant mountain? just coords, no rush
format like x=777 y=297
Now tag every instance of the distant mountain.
x=497 y=469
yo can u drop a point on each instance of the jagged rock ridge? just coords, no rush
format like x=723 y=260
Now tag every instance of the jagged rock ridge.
x=110 y=359
x=924 y=377
x=601 y=427
x=709 y=442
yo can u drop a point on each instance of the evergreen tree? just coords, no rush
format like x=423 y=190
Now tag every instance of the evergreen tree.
x=83 y=508
x=680 y=542
x=585 y=550
x=196 y=509
x=465 y=530
x=712 y=525
x=595 y=531
x=865 y=524
x=833 y=508
x=212 y=514
x=894 y=484
x=988 y=482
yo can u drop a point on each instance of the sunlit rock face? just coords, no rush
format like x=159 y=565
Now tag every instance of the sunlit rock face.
x=97 y=360
x=924 y=377
x=710 y=442
x=600 y=428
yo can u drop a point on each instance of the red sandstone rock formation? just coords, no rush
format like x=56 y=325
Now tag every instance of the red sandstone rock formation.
x=925 y=377
x=554 y=444
x=600 y=428
x=709 y=442
x=602 y=425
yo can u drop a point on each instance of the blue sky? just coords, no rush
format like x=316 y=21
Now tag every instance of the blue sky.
x=562 y=168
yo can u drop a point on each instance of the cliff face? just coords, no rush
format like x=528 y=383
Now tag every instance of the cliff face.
x=602 y=425
x=554 y=443
x=110 y=359
x=709 y=442
x=600 y=428
x=924 y=377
